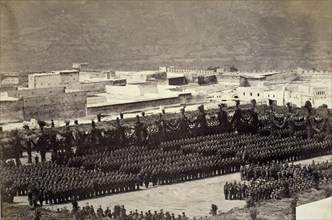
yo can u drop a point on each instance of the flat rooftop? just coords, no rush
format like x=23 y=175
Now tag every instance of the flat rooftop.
x=208 y=88
x=147 y=72
x=66 y=71
x=5 y=98
x=116 y=97
x=121 y=99
x=44 y=74
x=98 y=80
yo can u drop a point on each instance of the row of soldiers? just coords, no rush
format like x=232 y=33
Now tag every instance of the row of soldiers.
x=217 y=154
x=238 y=121
x=234 y=191
x=47 y=182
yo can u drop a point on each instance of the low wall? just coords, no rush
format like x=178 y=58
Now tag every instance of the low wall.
x=7 y=88
x=117 y=108
x=99 y=87
x=11 y=111
x=92 y=88
x=95 y=99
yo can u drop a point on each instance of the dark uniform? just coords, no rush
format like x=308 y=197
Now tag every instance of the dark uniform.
x=138 y=131
x=183 y=126
x=237 y=122
x=201 y=123
x=224 y=124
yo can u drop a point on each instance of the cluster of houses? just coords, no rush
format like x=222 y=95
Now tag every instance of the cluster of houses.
x=82 y=91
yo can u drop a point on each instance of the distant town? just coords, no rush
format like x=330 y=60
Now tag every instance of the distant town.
x=83 y=92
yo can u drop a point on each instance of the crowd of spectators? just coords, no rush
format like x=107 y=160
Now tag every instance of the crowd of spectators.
x=120 y=213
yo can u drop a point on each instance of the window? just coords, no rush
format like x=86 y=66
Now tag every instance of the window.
x=268 y=95
x=274 y=96
x=244 y=93
x=257 y=94
x=251 y=94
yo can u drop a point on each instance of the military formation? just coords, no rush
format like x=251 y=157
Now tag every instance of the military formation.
x=276 y=180
x=170 y=152
x=233 y=191
x=50 y=183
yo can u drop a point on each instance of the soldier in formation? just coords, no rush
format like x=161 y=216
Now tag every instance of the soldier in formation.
x=224 y=124
x=282 y=180
x=235 y=191
x=201 y=122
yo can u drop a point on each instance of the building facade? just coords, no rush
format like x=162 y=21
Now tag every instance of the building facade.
x=67 y=78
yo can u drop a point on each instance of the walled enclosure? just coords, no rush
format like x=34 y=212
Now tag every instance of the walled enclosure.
x=62 y=105
x=11 y=111
x=117 y=108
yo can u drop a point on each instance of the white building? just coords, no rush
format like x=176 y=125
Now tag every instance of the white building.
x=296 y=94
x=246 y=94
x=277 y=94
x=67 y=78
x=317 y=94
x=43 y=80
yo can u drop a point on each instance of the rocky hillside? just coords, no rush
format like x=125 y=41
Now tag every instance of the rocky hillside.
x=45 y=35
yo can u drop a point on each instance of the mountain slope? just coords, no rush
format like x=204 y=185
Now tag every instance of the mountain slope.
x=37 y=35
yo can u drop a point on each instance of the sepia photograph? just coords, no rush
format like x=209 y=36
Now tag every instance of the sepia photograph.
x=166 y=110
